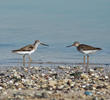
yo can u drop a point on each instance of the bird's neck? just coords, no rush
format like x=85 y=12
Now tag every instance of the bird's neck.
x=36 y=45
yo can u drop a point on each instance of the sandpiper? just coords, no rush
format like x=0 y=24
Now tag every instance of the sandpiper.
x=28 y=50
x=85 y=49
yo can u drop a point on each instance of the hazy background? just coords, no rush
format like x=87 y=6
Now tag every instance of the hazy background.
x=58 y=23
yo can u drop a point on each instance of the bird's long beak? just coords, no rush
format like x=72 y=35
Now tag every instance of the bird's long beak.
x=44 y=44
x=70 y=45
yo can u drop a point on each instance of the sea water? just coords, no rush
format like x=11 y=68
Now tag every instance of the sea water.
x=58 y=23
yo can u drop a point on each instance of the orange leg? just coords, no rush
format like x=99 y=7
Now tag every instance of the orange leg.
x=30 y=60
x=84 y=62
x=87 y=63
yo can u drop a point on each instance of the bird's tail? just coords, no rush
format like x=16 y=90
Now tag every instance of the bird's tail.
x=14 y=51
x=99 y=48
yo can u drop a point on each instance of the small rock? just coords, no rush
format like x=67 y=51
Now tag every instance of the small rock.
x=83 y=86
x=53 y=99
x=96 y=76
x=52 y=83
x=41 y=95
x=1 y=88
x=95 y=98
x=61 y=67
x=44 y=95
x=76 y=75
x=2 y=74
x=44 y=86
x=88 y=93
x=60 y=87
x=91 y=70
x=36 y=68
x=102 y=99
x=106 y=77
x=88 y=87
x=84 y=76
x=38 y=95
x=11 y=82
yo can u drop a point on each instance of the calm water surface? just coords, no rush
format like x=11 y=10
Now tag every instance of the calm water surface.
x=58 y=23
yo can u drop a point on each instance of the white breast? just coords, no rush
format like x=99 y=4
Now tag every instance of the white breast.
x=88 y=51
x=25 y=52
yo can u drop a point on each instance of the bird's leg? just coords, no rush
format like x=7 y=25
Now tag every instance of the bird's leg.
x=24 y=60
x=87 y=63
x=30 y=60
x=84 y=57
x=84 y=60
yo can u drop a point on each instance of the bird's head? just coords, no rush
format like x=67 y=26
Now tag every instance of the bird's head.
x=38 y=42
x=76 y=44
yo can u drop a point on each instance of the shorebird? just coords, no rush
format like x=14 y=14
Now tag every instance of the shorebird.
x=28 y=50
x=85 y=49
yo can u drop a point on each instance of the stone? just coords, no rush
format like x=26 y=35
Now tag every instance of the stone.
x=38 y=95
x=95 y=98
x=44 y=86
x=72 y=84
x=61 y=67
x=52 y=83
x=88 y=87
x=1 y=88
x=76 y=75
x=84 y=76
x=41 y=95
x=27 y=82
x=2 y=74
x=53 y=99
x=88 y=93
x=102 y=99
x=60 y=87
x=91 y=70
x=106 y=77
x=11 y=82
x=44 y=95
x=96 y=76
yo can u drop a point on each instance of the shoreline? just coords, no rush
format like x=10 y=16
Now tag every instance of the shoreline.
x=43 y=63
x=54 y=83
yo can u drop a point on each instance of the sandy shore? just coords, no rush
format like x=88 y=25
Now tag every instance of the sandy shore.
x=54 y=83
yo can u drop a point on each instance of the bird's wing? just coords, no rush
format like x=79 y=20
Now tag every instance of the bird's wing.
x=25 y=48
x=87 y=47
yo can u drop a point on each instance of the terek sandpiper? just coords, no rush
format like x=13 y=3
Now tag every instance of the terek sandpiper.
x=28 y=50
x=85 y=49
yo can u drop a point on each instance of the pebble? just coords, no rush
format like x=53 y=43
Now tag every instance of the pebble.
x=1 y=88
x=88 y=93
x=41 y=95
x=84 y=76
x=61 y=67
x=76 y=75
x=2 y=74
x=106 y=77
x=52 y=83
x=46 y=81
x=102 y=99
x=91 y=70
x=95 y=98
x=44 y=95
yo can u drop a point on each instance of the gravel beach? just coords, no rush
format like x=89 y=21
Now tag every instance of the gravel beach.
x=54 y=83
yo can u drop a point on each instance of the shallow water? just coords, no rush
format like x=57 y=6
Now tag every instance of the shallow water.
x=58 y=23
